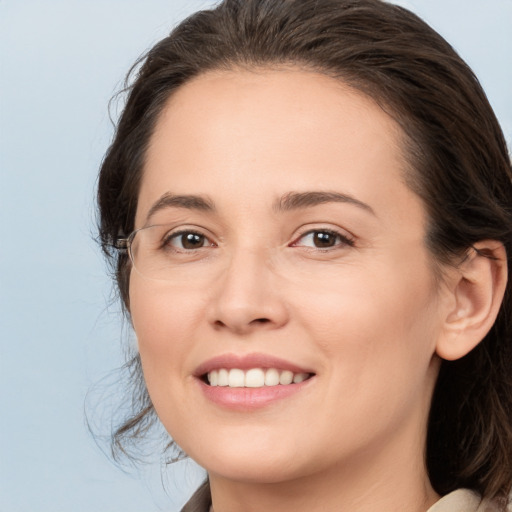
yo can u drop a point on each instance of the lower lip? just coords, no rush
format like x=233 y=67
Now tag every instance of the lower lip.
x=246 y=399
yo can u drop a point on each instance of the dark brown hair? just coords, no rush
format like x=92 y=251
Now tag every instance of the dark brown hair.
x=459 y=164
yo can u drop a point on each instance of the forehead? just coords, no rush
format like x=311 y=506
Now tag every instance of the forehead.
x=268 y=132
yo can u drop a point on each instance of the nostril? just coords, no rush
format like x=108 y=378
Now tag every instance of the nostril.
x=219 y=324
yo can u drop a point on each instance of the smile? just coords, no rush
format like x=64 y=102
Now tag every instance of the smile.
x=246 y=382
x=254 y=377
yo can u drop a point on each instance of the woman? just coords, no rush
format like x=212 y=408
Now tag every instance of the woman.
x=309 y=206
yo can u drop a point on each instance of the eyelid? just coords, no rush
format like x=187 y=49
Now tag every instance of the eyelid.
x=347 y=239
x=180 y=231
x=173 y=229
x=174 y=233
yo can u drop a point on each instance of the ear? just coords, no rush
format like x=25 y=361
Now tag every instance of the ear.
x=476 y=288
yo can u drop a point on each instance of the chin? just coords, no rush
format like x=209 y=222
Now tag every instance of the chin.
x=244 y=460
x=262 y=471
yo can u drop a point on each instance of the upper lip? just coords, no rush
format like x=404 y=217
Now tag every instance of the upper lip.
x=246 y=362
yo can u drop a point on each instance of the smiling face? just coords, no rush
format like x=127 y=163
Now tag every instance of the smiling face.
x=293 y=249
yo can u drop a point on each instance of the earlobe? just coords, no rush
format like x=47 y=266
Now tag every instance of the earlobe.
x=478 y=285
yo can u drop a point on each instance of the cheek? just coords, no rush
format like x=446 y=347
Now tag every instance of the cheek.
x=377 y=341
x=163 y=319
x=370 y=321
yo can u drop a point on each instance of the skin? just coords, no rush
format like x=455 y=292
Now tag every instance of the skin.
x=364 y=316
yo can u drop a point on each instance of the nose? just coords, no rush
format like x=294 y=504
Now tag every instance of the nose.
x=247 y=296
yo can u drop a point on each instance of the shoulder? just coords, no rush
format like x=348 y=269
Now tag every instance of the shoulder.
x=200 y=501
x=465 y=500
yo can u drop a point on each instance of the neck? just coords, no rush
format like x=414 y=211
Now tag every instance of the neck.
x=322 y=496
x=389 y=479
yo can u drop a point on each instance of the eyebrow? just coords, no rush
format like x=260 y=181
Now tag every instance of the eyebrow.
x=298 y=200
x=288 y=202
x=188 y=202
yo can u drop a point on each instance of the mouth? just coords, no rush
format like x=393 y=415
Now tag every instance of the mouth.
x=245 y=381
x=253 y=377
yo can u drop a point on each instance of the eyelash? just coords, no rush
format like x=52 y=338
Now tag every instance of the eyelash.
x=344 y=240
x=167 y=240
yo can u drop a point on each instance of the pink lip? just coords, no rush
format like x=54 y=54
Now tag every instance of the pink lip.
x=248 y=399
x=246 y=362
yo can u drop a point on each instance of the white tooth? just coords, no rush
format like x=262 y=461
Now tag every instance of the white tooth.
x=271 y=377
x=299 y=377
x=286 y=377
x=213 y=377
x=236 y=378
x=254 y=378
x=223 y=379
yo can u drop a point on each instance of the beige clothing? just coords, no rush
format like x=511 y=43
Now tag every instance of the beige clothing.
x=461 y=500
x=464 y=500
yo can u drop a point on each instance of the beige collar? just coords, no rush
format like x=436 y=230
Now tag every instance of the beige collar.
x=462 y=500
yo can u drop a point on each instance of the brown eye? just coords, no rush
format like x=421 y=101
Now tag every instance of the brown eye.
x=192 y=241
x=323 y=239
x=188 y=240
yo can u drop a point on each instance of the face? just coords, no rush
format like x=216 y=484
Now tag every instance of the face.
x=293 y=251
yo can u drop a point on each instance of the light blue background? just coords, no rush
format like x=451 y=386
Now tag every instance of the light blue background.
x=60 y=62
